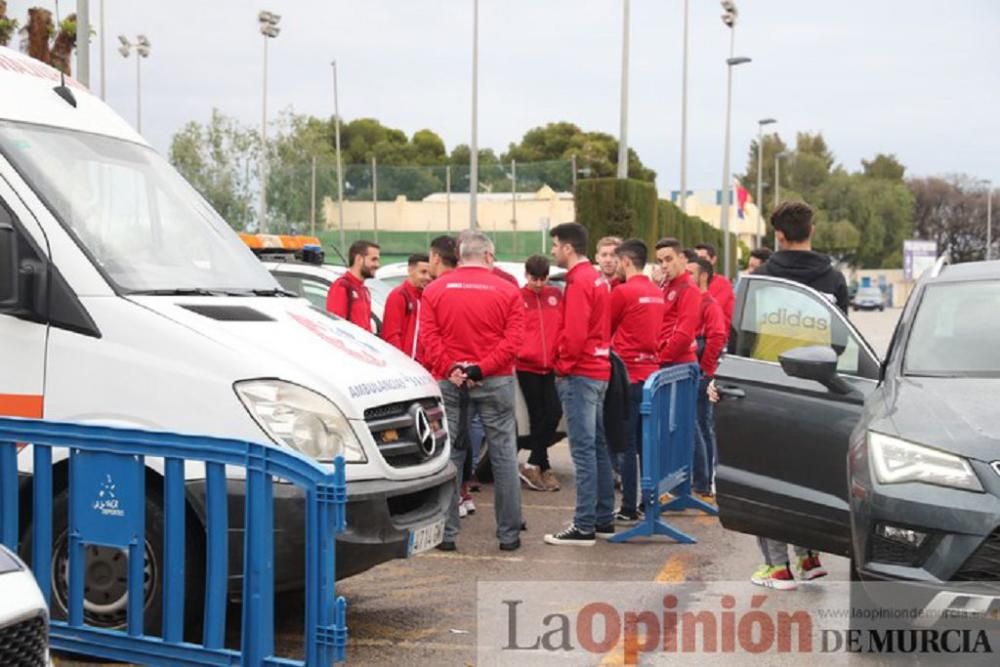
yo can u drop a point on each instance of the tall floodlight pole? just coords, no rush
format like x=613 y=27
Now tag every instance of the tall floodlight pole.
x=82 y=42
x=142 y=47
x=104 y=68
x=340 y=167
x=778 y=157
x=729 y=19
x=684 y=112
x=989 y=218
x=623 y=110
x=474 y=143
x=269 y=29
x=760 y=176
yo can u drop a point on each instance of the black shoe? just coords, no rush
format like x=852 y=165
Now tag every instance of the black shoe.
x=524 y=525
x=627 y=517
x=571 y=537
x=446 y=546
x=605 y=531
x=511 y=546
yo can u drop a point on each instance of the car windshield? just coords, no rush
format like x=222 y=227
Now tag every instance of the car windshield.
x=956 y=332
x=144 y=227
x=869 y=291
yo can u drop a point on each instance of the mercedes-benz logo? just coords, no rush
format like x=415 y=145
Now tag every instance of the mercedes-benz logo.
x=425 y=432
x=996 y=467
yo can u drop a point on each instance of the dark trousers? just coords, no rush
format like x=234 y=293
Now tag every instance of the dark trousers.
x=544 y=413
x=632 y=458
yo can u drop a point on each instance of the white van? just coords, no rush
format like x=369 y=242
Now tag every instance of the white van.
x=126 y=300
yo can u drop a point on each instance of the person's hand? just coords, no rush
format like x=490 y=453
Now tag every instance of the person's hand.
x=457 y=376
x=713 y=392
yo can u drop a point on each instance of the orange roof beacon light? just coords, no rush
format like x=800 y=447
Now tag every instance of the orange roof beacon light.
x=285 y=248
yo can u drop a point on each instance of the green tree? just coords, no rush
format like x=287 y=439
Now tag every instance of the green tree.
x=596 y=153
x=772 y=145
x=884 y=166
x=219 y=159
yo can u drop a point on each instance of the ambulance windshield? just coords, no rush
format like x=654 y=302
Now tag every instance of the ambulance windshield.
x=145 y=228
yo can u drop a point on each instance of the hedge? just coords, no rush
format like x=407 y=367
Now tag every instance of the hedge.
x=617 y=207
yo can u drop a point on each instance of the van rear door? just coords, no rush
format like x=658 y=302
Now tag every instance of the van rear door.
x=23 y=328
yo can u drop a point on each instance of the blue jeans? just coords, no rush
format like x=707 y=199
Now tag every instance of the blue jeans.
x=703 y=471
x=583 y=404
x=493 y=400
x=632 y=457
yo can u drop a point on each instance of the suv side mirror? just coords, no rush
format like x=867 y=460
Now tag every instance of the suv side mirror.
x=815 y=362
x=8 y=266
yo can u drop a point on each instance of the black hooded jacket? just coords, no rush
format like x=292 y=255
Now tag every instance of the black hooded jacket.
x=809 y=268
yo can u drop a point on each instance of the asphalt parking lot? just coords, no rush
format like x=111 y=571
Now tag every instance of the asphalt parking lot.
x=423 y=611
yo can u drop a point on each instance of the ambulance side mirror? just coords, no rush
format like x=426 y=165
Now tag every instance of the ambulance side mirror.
x=8 y=267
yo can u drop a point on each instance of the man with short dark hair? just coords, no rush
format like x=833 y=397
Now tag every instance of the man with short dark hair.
x=472 y=325
x=348 y=297
x=758 y=256
x=535 y=375
x=796 y=260
x=583 y=367
x=401 y=319
x=711 y=341
x=443 y=255
x=682 y=314
x=607 y=259
x=720 y=288
x=637 y=308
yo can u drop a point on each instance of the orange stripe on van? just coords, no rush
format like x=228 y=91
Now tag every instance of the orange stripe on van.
x=21 y=405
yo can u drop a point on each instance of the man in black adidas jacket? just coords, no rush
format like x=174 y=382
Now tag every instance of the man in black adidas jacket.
x=796 y=260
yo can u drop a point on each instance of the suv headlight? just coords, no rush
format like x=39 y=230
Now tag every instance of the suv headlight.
x=897 y=461
x=300 y=419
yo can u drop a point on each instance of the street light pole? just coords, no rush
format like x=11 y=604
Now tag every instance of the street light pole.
x=82 y=42
x=623 y=110
x=340 y=168
x=729 y=19
x=142 y=47
x=269 y=29
x=777 y=185
x=104 y=69
x=684 y=112
x=989 y=220
x=760 y=175
x=474 y=143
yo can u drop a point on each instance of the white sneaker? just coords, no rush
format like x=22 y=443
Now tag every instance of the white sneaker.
x=462 y=512
x=468 y=506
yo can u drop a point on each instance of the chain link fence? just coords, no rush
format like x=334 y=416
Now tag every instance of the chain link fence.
x=403 y=207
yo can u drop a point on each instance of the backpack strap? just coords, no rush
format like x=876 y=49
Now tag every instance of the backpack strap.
x=350 y=299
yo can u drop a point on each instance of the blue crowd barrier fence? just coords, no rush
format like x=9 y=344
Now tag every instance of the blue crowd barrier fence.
x=668 y=412
x=108 y=474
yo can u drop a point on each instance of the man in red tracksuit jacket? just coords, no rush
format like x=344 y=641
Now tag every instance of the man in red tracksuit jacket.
x=348 y=297
x=472 y=327
x=637 y=307
x=712 y=339
x=682 y=315
x=719 y=286
x=401 y=320
x=535 y=375
x=583 y=367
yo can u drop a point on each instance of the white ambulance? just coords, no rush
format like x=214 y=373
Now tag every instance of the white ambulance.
x=126 y=300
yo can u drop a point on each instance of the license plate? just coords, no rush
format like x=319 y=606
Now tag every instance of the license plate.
x=426 y=537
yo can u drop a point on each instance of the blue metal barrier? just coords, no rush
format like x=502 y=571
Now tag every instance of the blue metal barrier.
x=107 y=507
x=668 y=410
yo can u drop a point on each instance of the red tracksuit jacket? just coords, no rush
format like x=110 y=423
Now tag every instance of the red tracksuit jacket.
x=722 y=291
x=471 y=315
x=542 y=321
x=585 y=339
x=401 y=321
x=346 y=289
x=636 y=316
x=681 y=321
x=715 y=333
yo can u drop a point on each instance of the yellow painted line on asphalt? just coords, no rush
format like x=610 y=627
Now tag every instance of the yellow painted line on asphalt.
x=674 y=571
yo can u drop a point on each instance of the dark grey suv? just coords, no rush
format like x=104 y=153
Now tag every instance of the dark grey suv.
x=895 y=464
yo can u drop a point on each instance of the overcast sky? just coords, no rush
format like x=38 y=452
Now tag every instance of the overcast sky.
x=920 y=78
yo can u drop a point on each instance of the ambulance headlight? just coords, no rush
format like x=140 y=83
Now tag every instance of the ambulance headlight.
x=300 y=419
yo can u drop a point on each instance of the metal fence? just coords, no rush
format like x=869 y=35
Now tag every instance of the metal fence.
x=112 y=476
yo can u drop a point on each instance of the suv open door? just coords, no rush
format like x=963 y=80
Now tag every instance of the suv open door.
x=783 y=440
